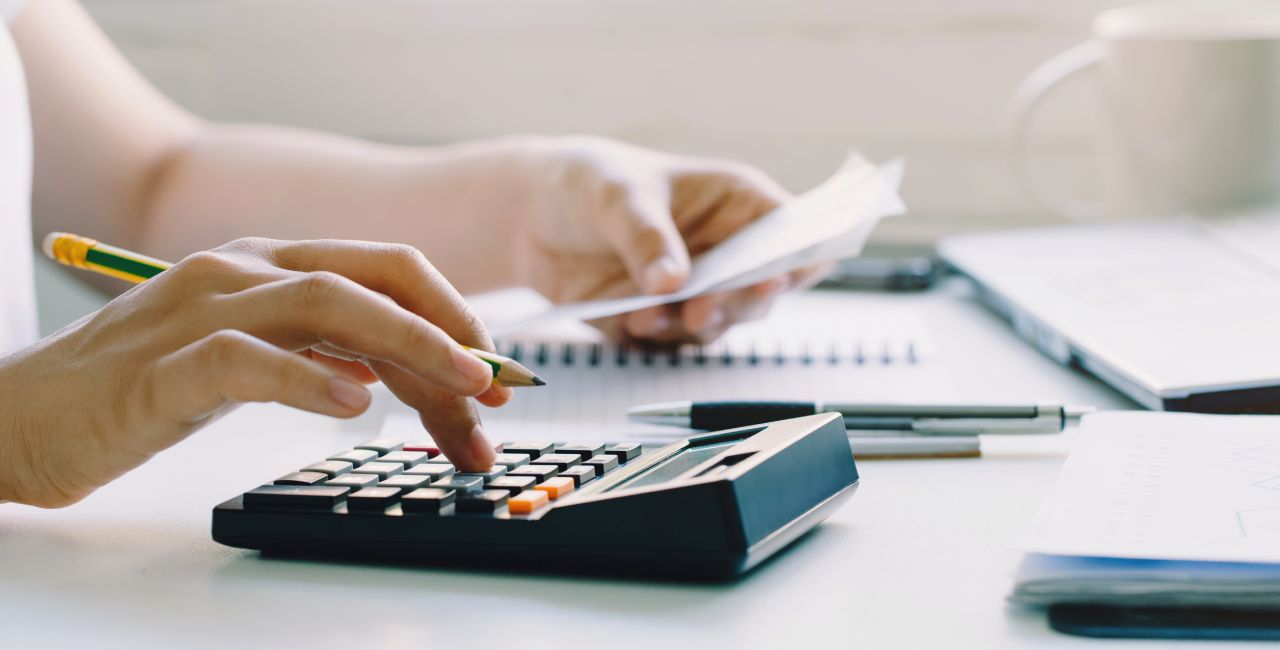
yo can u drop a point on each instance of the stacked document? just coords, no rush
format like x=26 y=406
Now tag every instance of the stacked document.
x=1161 y=509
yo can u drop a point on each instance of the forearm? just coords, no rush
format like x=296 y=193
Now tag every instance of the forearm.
x=116 y=160
x=458 y=204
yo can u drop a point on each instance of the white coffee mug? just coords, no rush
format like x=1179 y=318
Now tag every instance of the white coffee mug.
x=1192 y=99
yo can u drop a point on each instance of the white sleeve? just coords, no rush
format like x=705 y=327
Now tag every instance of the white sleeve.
x=9 y=9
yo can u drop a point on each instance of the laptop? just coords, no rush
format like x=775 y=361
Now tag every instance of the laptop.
x=1180 y=314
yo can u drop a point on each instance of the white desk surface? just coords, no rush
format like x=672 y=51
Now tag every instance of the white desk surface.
x=919 y=558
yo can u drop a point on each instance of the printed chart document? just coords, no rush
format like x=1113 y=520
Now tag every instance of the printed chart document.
x=1167 y=486
x=1161 y=508
x=829 y=222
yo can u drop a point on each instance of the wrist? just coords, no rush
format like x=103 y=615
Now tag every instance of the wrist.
x=477 y=198
x=26 y=473
x=16 y=472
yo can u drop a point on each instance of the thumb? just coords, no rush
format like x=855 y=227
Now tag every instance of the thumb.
x=644 y=235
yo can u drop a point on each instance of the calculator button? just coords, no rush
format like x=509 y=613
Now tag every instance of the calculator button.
x=353 y=481
x=406 y=458
x=460 y=483
x=511 y=460
x=330 y=468
x=532 y=449
x=585 y=450
x=626 y=451
x=381 y=446
x=380 y=469
x=527 y=502
x=603 y=464
x=556 y=487
x=294 y=496
x=406 y=482
x=561 y=461
x=580 y=474
x=512 y=484
x=484 y=501
x=434 y=471
x=302 y=478
x=428 y=447
x=356 y=457
x=374 y=499
x=493 y=473
x=426 y=500
x=538 y=472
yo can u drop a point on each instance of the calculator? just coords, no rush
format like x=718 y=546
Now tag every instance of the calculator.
x=706 y=507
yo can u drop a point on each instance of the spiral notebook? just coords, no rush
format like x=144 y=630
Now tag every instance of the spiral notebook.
x=812 y=348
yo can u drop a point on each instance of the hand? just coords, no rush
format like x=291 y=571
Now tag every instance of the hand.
x=254 y=321
x=612 y=220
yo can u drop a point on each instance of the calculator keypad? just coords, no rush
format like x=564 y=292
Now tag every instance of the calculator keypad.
x=388 y=477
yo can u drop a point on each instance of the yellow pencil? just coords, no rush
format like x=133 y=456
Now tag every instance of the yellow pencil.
x=89 y=254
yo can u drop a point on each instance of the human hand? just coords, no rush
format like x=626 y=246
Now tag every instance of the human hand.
x=611 y=220
x=254 y=321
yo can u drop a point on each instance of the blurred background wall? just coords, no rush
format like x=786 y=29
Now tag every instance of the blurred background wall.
x=788 y=85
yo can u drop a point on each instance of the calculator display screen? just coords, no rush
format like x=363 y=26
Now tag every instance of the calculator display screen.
x=676 y=465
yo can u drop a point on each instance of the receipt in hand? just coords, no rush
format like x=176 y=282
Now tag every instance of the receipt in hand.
x=829 y=222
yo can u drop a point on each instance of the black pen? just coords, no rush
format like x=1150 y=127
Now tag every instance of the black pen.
x=919 y=419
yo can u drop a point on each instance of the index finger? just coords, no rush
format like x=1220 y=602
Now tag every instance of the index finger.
x=405 y=275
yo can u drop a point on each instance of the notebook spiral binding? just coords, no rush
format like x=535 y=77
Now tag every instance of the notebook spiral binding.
x=723 y=353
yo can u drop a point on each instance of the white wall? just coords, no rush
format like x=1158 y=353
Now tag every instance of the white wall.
x=788 y=85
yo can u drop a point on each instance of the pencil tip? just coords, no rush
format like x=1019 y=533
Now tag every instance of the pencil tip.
x=537 y=381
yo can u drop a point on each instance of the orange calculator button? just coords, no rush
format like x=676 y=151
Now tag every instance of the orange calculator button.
x=526 y=502
x=556 y=487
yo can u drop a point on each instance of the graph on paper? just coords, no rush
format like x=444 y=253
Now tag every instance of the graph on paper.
x=1168 y=486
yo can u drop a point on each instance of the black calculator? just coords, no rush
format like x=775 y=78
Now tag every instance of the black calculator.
x=710 y=506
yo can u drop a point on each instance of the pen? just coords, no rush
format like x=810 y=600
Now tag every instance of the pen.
x=918 y=419
x=92 y=255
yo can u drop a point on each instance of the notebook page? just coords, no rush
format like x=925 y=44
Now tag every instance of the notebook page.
x=814 y=347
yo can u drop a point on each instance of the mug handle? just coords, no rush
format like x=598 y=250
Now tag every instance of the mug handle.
x=1028 y=98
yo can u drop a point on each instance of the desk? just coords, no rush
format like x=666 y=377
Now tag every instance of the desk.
x=918 y=559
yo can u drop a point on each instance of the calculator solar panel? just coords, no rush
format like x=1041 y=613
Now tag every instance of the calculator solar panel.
x=710 y=506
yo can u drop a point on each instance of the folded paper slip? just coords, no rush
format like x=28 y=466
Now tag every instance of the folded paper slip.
x=830 y=222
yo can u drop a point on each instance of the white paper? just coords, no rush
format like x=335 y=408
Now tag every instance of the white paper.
x=829 y=222
x=1167 y=486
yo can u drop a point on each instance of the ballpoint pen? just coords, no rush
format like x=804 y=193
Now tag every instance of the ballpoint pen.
x=918 y=419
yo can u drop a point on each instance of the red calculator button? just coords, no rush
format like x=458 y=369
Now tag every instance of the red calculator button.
x=428 y=446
